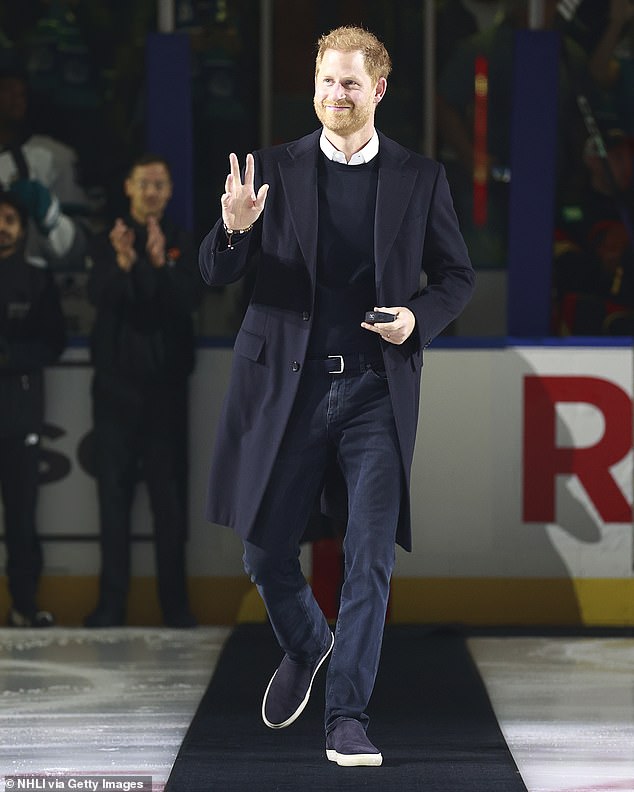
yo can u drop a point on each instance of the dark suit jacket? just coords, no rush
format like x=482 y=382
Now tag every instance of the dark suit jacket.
x=415 y=230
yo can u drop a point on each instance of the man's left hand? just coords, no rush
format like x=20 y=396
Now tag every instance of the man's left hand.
x=155 y=243
x=398 y=331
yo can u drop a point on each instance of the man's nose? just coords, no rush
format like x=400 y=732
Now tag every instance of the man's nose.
x=338 y=91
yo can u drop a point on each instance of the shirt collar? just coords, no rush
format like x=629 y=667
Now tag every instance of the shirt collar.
x=367 y=153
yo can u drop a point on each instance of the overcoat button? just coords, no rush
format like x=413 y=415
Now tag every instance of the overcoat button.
x=295 y=366
x=305 y=316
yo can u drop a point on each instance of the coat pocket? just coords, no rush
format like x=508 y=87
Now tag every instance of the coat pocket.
x=249 y=345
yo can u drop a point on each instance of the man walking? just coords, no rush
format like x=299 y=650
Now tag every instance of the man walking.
x=336 y=224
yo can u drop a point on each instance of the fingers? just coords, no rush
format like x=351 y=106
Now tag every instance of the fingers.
x=261 y=197
x=381 y=328
x=240 y=206
x=233 y=182
x=249 y=173
x=234 y=172
x=396 y=332
x=234 y=168
x=155 y=237
x=118 y=228
x=121 y=236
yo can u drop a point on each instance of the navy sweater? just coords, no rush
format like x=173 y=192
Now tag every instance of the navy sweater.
x=345 y=259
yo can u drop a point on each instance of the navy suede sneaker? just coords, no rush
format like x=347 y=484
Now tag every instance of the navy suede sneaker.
x=288 y=691
x=348 y=745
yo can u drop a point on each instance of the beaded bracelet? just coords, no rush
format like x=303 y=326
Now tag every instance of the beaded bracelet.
x=231 y=231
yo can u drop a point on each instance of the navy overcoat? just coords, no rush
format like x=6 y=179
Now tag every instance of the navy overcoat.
x=416 y=232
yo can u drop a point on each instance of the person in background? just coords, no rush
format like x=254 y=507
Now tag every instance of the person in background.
x=459 y=107
x=335 y=223
x=612 y=63
x=42 y=171
x=32 y=336
x=456 y=20
x=144 y=285
x=593 y=265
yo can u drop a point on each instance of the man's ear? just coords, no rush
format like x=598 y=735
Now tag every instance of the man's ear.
x=380 y=89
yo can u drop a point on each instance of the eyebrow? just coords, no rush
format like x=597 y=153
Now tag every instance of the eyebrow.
x=327 y=75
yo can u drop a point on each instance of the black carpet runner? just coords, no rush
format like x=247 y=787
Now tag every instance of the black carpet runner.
x=430 y=717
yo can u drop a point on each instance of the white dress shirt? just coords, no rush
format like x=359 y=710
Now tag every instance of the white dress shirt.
x=368 y=152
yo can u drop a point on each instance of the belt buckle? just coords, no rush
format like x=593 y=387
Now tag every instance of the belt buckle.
x=340 y=361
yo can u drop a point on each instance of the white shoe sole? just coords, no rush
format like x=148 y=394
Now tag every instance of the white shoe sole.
x=354 y=760
x=303 y=704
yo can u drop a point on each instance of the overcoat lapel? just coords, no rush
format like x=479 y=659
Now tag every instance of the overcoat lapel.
x=394 y=190
x=298 y=175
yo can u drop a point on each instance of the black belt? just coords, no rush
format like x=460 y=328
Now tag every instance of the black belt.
x=354 y=363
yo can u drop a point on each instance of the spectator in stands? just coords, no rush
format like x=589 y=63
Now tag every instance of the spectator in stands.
x=458 y=19
x=456 y=109
x=144 y=284
x=612 y=62
x=31 y=336
x=594 y=247
x=43 y=172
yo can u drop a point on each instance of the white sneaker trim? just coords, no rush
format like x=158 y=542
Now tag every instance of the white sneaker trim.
x=303 y=703
x=354 y=760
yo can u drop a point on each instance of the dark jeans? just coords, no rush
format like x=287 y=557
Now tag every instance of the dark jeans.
x=19 y=460
x=353 y=414
x=145 y=441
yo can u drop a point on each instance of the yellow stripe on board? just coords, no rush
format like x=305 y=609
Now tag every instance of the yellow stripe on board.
x=470 y=601
x=514 y=601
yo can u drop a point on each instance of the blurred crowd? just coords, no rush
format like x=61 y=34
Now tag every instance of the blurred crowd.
x=593 y=249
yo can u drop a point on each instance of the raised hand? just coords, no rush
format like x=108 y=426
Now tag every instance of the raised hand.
x=241 y=207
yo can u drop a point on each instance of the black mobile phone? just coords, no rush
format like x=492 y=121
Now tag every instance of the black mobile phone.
x=375 y=317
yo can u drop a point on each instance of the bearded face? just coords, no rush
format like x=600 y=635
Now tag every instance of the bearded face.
x=345 y=95
x=344 y=118
x=11 y=231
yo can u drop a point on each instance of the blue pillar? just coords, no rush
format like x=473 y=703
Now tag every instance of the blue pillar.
x=533 y=181
x=169 y=116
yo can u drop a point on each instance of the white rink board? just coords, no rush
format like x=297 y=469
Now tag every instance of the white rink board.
x=467 y=484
